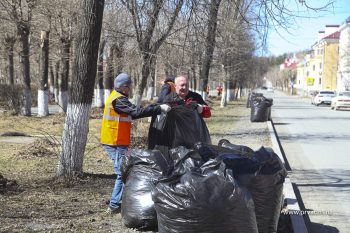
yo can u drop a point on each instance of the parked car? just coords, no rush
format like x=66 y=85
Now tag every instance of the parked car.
x=342 y=100
x=323 y=97
x=270 y=89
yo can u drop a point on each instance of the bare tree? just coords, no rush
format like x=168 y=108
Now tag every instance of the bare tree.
x=109 y=74
x=209 y=44
x=64 y=16
x=76 y=125
x=99 y=100
x=20 y=13
x=10 y=41
x=43 y=95
x=116 y=32
x=55 y=85
x=145 y=16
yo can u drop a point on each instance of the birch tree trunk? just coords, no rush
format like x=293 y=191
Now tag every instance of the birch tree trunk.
x=63 y=82
x=9 y=44
x=210 y=43
x=51 y=80
x=23 y=30
x=230 y=91
x=151 y=81
x=109 y=75
x=76 y=125
x=43 y=94
x=223 y=102
x=99 y=100
x=57 y=77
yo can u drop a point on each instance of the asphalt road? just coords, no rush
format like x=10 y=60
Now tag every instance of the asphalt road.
x=315 y=142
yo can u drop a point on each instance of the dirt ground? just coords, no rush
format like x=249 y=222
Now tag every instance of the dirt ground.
x=33 y=199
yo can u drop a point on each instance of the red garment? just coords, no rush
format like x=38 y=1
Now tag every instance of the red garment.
x=206 y=113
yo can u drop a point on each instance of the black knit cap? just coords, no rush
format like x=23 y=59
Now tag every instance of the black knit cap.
x=170 y=78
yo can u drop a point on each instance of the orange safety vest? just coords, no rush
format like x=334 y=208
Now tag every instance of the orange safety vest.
x=116 y=128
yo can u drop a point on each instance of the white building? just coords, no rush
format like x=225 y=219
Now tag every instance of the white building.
x=343 y=74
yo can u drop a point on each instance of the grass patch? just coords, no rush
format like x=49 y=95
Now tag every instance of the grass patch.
x=41 y=202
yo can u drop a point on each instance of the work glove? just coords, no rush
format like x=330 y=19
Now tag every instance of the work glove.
x=199 y=108
x=165 y=108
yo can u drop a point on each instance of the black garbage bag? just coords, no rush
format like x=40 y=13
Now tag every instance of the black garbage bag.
x=260 y=109
x=206 y=200
x=251 y=97
x=154 y=134
x=240 y=165
x=185 y=159
x=183 y=127
x=154 y=159
x=241 y=149
x=140 y=170
x=266 y=187
x=208 y=151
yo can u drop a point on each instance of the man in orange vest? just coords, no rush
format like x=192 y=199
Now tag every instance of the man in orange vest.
x=116 y=129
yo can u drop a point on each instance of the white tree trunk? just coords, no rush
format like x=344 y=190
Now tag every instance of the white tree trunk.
x=244 y=92
x=56 y=91
x=106 y=95
x=99 y=100
x=51 y=88
x=137 y=99
x=204 y=95
x=74 y=139
x=27 y=110
x=238 y=94
x=230 y=95
x=43 y=103
x=223 y=101
x=63 y=101
x=150 y=93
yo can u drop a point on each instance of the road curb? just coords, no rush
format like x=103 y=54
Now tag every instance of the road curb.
x=297 y=219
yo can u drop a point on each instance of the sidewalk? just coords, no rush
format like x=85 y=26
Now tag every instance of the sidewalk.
x=255 y=135
x=244 y=132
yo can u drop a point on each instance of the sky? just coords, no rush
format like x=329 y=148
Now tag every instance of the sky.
x=303 y=32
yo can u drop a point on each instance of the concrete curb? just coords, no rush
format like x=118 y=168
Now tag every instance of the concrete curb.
x=298 y=223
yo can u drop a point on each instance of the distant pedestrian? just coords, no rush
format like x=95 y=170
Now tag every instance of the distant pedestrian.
x=207 y=89
x=219 y=90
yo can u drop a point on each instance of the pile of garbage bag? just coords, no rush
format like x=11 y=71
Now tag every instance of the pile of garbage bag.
x=204 y=188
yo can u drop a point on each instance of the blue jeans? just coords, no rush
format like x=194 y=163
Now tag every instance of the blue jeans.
x=116 y=153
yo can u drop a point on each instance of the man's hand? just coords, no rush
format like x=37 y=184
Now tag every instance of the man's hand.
x=199 y=108
x=165 y=108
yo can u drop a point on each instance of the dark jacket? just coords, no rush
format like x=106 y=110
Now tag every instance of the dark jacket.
x=174 y=99
x=123 y=105
x=166 y=88
x=194 y=96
